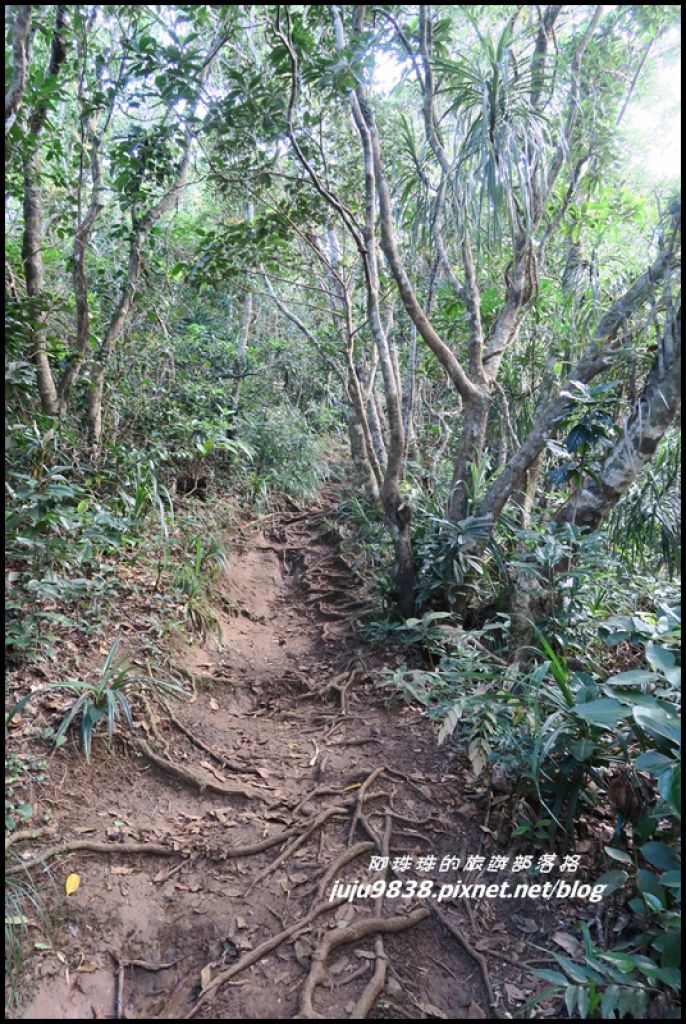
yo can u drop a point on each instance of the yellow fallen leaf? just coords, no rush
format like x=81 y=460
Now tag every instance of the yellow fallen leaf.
x=72 y=884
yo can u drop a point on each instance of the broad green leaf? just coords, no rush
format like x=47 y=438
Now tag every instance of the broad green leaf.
x=614 y=880
x=620 y=855
x=603 y=712
x=660 y=855
x=658 y=720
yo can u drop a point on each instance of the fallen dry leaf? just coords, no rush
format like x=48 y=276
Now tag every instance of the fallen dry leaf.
x=513 y=993
x=568 y=942
x=72 y=883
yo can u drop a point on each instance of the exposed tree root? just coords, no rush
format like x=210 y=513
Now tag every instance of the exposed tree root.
x=351 y=782
x=351 y=853
x=159 y=879
x=265 y=844
x=361 y=793
x=119 y=993
x=342 y=687
x=233 y=766
x=148 y=965
x=193 y=680
x=153 y=722
x=93 y=846
x=190 y=779
x=318 y=594
x=475 y=955
x=364 y=1005
x=262 y=950
x=376 y=985
x=24 y=835
x=317 y=823
x=330 y=613
x=341 y=937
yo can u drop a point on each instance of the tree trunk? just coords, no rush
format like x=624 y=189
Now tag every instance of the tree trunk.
x=653 y=412
x=32 y=240
x=239 y=365
x=475 y=419
x=404 y=563
x=20 y=67
x=32 y=258
x=523 y=584
x=358 y=454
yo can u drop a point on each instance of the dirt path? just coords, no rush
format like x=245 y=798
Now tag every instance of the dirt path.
x=307 y=774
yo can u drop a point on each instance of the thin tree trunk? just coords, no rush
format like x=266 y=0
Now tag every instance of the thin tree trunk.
x=20 y=63
x=244 y=335
x=239 y=366
x=409 y=395
x=523 y=584
x=32 y=240
x=475 y=420
x=654 y=411
x=33 y=272
x=81 y=238
x=598 y=357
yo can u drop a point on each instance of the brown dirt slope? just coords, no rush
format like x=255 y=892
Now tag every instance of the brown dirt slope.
x=209 y=894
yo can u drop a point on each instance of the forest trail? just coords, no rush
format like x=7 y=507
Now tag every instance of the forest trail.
x=308 y=765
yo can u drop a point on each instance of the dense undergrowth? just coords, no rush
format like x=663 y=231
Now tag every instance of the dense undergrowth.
x=580 y=733
x=126 y=548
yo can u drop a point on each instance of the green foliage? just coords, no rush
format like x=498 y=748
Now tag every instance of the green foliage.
x=588 y=411
x=442 y=555
x=23 y=904
x=19 y=772
x=216 y=403
x=196 y=573
x=645 y=526
x=559 y=737
x=287 y=456
x=107 y=698
x=616 y=984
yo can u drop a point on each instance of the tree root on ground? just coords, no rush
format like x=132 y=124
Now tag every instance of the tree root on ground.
x=190 y=779
x=351 y=782
x=377 y=983
x=341 y=937
x=343 y=858
x=93 y=846
x=233 y=766
x=361 y=793
x=260 y=951
x=331 y=613
x=341 y=684
x=285 y=854
x=24 y=835
x=474 y=954
x=193 y=680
